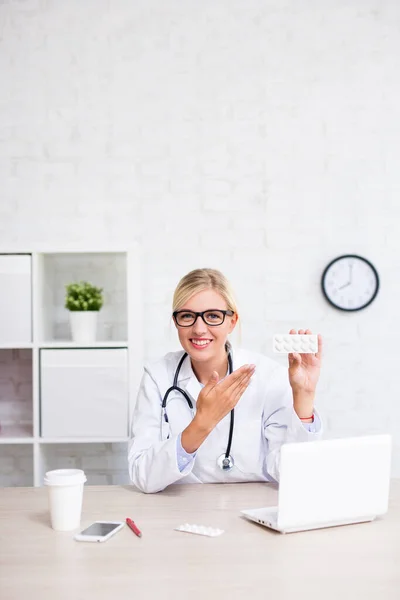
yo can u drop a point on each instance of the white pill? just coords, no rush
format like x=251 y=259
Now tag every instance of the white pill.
x=306 y=344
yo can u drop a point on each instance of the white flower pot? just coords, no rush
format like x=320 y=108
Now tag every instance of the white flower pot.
x=83 y=325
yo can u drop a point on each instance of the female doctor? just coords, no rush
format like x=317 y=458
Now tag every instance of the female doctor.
x=213 y=413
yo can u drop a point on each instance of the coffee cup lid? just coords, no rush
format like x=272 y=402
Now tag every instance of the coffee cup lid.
x=64 y=477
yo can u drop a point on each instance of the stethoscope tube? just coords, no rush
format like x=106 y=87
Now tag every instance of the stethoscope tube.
x=176 y=387
x=225 y=461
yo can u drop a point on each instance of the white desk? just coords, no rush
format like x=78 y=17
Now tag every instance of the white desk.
x=357 y=562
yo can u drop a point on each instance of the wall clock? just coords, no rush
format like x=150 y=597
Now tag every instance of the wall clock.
x=350 y=282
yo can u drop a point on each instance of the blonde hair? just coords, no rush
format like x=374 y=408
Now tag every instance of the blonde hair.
x=203 y=279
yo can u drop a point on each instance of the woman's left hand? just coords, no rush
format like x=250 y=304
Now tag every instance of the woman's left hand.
x=304 y=369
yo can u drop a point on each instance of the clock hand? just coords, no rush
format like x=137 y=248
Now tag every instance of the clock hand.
x=345 y=285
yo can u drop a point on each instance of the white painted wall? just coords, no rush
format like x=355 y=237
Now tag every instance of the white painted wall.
x=259 y=137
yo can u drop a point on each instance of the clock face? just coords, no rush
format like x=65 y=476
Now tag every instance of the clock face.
x=350 y=282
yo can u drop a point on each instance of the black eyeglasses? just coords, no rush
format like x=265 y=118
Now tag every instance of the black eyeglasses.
x=212 y=317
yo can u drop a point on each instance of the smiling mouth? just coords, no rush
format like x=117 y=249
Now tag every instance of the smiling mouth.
x=200 y=343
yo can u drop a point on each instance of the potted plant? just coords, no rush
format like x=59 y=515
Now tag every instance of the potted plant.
x=83 y=300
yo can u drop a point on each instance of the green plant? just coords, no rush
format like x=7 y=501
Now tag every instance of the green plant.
x=83 y=296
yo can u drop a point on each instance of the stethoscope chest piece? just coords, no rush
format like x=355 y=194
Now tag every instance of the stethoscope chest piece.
x=225 y=463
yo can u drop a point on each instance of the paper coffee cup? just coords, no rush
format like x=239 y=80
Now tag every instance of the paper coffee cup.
x=65 y=492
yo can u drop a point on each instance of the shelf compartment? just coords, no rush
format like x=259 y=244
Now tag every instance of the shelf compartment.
x=16 y=465
x=15 y=299
x=16 y=404
x=54 y=271
x=103 y=463
x=84 y=391
x=16 y=434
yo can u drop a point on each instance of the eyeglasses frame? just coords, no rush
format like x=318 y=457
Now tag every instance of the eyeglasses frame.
x=225 y=313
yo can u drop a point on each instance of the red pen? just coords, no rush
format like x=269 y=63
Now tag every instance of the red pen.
x=132 y=526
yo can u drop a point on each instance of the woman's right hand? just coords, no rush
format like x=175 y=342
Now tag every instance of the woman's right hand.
x=215 y=401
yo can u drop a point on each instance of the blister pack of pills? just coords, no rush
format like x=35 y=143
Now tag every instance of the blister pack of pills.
x=283 y=343
x=199 y=529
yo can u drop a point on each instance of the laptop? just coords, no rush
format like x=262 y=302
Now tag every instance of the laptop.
x=326 y=483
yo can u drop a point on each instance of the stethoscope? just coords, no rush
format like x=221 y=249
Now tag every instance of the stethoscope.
x=225 y=461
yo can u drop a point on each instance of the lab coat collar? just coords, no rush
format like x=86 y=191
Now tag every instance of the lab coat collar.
x=188 y=380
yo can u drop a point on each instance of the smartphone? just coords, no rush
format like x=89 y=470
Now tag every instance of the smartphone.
x=99 y=531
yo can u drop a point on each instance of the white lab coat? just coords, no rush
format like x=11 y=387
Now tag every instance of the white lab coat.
x=264 y=420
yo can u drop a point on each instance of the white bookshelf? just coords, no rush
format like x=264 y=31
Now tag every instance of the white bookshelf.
x=54 y=392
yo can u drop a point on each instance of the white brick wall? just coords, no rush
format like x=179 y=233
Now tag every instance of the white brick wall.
x=259 y=137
